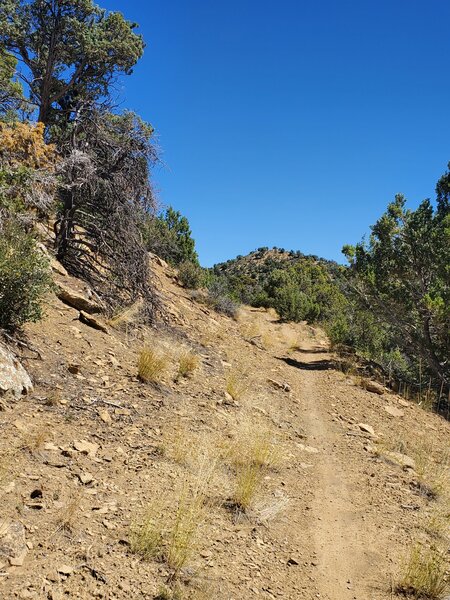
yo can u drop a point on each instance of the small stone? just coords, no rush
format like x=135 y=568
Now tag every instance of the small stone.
x=367 y=428
x=402 y=459
x=374 y=387
x=77 y=300
x=105 y=416
x=73 y=368
x=309 y=449
x=89 y=448
x=50 y=446
x=85 y=478
x=20 y=426
x=394 y=412
x=279 y=385
x=93 y=322
x=17 y=561
x=65 y=570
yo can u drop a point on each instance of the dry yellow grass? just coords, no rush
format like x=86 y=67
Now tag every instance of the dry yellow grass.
x=252 y=454
x=169 y=532
x=433 y=472
x=183 y=446
x=151 y=365
x=425 y=575
x=35 y=440
x=68 y=515
x=236 y=385
x=251 y=330
x=253 y=444
x=268 y=340
x=249 y=478
x=188 y=362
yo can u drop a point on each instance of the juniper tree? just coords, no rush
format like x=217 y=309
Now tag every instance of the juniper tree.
x=69 y=51
x=401 y=275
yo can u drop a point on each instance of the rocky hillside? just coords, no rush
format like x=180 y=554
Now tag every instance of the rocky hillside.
x=241 y=464
x=257 y=264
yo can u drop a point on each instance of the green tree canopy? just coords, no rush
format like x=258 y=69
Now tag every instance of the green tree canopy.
x=402 y=276
x=70 y=51
x=10 y=90
x=169 y=236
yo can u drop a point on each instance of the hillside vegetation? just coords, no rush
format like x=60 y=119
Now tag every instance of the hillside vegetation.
x=175 y=432
x=390 y=305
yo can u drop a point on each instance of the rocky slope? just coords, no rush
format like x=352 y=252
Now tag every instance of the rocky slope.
x=357 y=480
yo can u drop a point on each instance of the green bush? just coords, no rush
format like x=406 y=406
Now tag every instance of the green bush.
x=24 y=278
x=190 y=275
x=220 y=300
x=169 y=236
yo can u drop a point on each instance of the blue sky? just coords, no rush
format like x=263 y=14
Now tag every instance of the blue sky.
x=292 y=123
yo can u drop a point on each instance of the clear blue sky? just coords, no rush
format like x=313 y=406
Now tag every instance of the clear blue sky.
x=292 y=123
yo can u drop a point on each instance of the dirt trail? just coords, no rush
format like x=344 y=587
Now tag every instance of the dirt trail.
x=338 y=534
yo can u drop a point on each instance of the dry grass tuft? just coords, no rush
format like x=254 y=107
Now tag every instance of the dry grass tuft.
x=35 y=440
x=251 y=455
x=249 y=478
x=68 y=516
x=425 y=575
x=171 y=533
x=183 y=446
x=254 y=445
x=236 y=385
x=151 y=365
x=187 y=364
x=251 y=330
x=432 y=470
x=268 y=340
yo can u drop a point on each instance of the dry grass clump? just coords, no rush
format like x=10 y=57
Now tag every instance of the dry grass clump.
x=268 y=340
x=68 y=515
x=249 y=478
x=183 y=447
x=425 y=575
x=236 y=385
x=34 y=441
x=433 y=471
x=188 y=362
x=253 y=445
x=432 y=467
x=169 y=531
x=251 y=330
x=251 y=455
x=151 y=365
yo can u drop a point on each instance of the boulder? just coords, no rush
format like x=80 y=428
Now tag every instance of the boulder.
x=77 y=300
x=402 y=459
x=374 y=387
x=13 y=377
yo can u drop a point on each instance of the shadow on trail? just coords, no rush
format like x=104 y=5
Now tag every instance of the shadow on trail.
x=317 y=365
x=312 y=350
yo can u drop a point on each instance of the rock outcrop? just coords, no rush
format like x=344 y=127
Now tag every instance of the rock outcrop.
x=13 y=377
